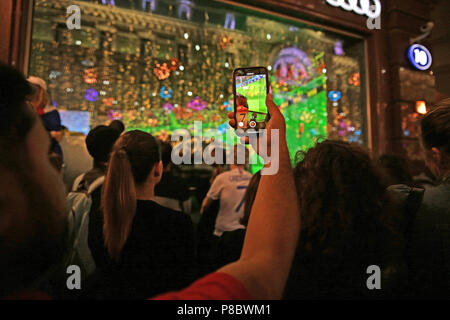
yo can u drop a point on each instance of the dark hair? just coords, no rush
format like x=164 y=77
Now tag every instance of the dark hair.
x=395 y=169
x=343 y=215
x=249 y=197
x=100 y=141
x=37 y=242
x=117 y=125
x=166 y=153
x=133 y=157
x=435 y=127
x=16 y=118
x=56 y=161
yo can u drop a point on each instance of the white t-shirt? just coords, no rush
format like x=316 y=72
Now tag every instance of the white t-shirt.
x=229 y=187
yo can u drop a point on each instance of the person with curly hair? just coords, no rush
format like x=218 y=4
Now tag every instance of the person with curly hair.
x=344 y=222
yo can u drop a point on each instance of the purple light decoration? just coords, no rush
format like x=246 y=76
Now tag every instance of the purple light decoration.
x=338 y=48
x=342 y=128
x=111 y=2
x=184 y=7
x=197 y=104
x=230 y=21
x=91 y=95
x=115 y=115
x=168 y=106
x=298 y=61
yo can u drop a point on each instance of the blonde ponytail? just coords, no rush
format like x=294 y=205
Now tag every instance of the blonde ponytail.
x=118 y=202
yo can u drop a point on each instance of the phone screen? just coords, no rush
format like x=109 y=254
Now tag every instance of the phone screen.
x=250 y=98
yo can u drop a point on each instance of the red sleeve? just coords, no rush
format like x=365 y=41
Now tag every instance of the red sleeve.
x=216 y=286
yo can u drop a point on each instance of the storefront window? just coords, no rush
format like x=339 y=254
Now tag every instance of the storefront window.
x=160 y=65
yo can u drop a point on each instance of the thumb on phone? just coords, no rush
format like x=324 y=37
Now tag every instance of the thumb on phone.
x=276 y=118
x=271 y=106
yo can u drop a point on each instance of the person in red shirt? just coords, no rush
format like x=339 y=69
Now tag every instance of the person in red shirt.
x=32 y=217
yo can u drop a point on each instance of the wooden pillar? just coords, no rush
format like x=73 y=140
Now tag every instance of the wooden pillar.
x=408 y=85
x=15 y=32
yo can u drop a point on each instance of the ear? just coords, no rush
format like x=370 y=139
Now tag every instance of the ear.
x=436 y=155
x=157 y=171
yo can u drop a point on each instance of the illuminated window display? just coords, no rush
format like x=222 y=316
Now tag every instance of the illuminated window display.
x=161 y=65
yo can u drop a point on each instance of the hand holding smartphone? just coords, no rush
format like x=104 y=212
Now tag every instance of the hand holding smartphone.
x=250 y=89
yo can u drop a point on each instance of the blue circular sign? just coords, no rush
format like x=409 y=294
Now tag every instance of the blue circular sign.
x=420 y=57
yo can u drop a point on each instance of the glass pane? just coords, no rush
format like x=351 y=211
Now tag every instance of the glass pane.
x=161 y=65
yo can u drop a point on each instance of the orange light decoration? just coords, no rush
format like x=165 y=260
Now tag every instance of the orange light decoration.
x=355 y=79
x=108 y=101
x=421 y=107
x=174 y=64
x=90 y=76
x=162 y=71
x=225 y=42
x=152 y=122
x=164 y=136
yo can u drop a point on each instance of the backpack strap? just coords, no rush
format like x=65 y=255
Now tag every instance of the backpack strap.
x=95 y=184
x=77 y=236
x=77 y=182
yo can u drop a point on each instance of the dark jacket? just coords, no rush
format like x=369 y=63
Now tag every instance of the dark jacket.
x=429 y=252
x=157 y=257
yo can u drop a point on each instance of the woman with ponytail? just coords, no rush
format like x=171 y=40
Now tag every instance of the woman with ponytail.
x=148 y=248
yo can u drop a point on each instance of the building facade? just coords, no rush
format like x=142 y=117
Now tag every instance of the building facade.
x=336 y=71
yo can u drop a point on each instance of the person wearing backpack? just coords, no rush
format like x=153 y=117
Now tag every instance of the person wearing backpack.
x=99 y=143
x=85 y=198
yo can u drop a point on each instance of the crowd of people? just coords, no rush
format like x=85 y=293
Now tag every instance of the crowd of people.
x=307 y=232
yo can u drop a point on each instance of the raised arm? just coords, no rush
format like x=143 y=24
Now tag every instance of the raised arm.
x=271 y=237
x=274 y=225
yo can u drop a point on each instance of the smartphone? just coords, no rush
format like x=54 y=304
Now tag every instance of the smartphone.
x=250 y=89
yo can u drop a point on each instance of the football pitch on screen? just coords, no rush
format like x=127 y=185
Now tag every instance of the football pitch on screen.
x=255 y=92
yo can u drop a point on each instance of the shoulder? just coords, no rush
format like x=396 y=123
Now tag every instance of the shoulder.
x=222 y=176
x=437 y=199
x=399 y=193
x=160 y=213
